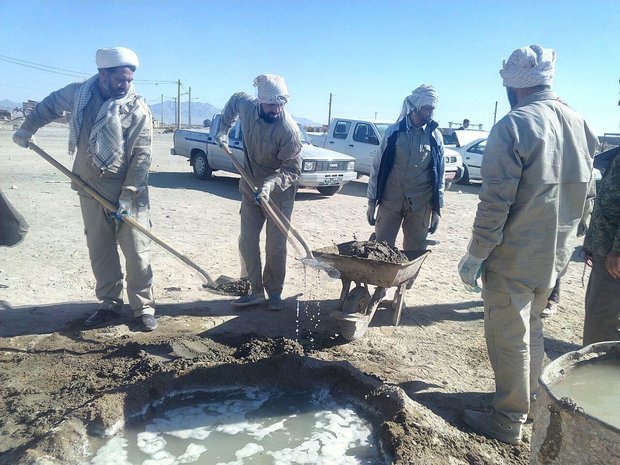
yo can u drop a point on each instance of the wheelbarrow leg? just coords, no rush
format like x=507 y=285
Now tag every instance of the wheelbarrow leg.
x=399 y=303
x=346 y=285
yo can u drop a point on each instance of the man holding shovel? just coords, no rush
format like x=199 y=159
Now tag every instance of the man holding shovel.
x=110 y=137
x=272 y=158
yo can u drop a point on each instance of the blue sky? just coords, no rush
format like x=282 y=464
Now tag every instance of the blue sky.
x=369 y=54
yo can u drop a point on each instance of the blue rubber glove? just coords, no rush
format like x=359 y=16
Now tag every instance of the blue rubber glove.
x=470 y=269
x=126 y=203
x=434 y=223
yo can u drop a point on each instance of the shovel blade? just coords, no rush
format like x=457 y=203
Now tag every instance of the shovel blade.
x=225 y=285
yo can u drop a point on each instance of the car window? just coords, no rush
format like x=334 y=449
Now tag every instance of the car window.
x=341 y=130
x=479 y=147
x=449 y=139
x=365 y=133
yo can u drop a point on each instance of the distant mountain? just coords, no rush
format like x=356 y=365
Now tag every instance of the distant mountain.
x=8 y=105
x=200 y=112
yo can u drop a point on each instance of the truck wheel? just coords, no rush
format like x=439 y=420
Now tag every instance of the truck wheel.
x=465 y=178
x=202 y=170
x=328 y=190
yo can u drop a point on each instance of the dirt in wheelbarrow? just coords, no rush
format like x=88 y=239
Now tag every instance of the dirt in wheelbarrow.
x=372 y=250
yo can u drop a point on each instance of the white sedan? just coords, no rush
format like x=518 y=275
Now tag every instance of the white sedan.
x=470 y=145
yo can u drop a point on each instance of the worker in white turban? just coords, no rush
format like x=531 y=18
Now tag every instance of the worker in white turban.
x=537 y=188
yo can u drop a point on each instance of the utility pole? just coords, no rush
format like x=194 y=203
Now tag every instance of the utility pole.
x=189 y=109
x=495 y=113
x=329 y=115
x=178 y=109
x=161 y=122
x=375 y=115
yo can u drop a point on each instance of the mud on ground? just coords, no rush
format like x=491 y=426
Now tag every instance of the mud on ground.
x=56 y=376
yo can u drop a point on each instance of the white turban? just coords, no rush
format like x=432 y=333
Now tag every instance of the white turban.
x=117 y=56
x=271 y=89
x=425 y=95
x=529 y=67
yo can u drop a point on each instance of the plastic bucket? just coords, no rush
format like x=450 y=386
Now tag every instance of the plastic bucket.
x=566 y=433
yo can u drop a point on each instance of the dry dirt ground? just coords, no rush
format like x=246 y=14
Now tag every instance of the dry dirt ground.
x=55 y=374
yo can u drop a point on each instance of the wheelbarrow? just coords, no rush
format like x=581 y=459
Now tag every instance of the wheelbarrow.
x=357 y=306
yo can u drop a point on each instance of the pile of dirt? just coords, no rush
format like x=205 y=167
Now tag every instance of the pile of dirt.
x=372 y=250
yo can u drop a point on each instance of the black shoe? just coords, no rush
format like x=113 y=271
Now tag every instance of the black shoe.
x=100 y=316
x=146 y=322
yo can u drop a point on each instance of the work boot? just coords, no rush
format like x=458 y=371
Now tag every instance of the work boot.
x=275 y=302
x=100 y=316
x=494 y=425
x=247 y=300
x=550 y=309
x=146 y=322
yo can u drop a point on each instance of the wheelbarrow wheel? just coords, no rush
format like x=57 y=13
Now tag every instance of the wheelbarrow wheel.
x=357 y=300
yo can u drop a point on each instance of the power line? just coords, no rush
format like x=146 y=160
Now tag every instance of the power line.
x=66 y=72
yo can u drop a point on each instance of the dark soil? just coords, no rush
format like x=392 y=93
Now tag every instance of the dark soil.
x=372 y=250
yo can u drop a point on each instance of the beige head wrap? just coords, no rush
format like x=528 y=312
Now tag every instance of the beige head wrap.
x=529 y=67
x=117 y=56
x=271 y=89
x=425 y=95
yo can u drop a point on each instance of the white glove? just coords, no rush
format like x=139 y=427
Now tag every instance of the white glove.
x=22 y=137
x=434 y=222
x=265 y=191
x=370 y=212
x=222 y=139
x=125 y=203
x=470 y=269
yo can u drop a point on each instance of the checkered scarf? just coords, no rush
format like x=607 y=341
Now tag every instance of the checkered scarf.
x=105 y=143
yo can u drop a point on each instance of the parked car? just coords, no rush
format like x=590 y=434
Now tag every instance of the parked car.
x=325 y=170
x=361 y=138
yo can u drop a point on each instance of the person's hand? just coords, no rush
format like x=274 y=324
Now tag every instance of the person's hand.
x=612 y=264
x=222 y=139
x=470 y=269
x=265 y=191
x=370 y=213
x=22 y=137
x=125 y=203
x=434 y=222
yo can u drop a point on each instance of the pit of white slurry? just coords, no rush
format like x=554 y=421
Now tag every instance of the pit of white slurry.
x=244 y=425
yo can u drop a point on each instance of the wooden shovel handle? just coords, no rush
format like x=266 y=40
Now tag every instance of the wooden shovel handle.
x=112 y=208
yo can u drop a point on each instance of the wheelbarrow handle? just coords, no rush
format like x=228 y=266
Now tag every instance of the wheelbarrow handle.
x=112 y=208
x=271 y=208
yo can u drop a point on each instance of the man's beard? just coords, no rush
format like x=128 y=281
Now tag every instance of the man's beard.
x=512 y=97
x=268 y=117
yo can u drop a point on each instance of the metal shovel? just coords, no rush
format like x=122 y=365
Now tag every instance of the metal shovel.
x=282 y=222
x=223 y=285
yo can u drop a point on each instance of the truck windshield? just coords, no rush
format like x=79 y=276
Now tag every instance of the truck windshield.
x=305 y=138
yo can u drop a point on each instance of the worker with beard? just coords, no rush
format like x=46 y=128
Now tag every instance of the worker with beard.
x=407 y=177
x=272 y=157
x=537 y=188
x=110 y=137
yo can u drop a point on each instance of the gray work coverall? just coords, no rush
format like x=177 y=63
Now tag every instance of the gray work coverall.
x=130 y=171
x=270 y=149
x=536 y=188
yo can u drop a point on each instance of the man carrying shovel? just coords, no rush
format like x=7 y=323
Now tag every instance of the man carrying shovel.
x=272 y=158
x=110 y=137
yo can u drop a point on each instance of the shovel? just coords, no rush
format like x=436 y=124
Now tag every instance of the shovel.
x=282 y=222
x=222 y=285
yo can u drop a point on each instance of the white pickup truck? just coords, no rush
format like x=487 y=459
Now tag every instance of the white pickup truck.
x=362 y=140
x=325 y=170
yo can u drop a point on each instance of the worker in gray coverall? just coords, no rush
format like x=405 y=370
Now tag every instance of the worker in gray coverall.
x=110 y=137
x=272 y=156
x=407 y=177
x=537 y=187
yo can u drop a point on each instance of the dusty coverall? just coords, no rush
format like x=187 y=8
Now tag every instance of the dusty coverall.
x=536 y=187
x=408 y=195
x=602 y=321
x=103 y=232
x=269 y=149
